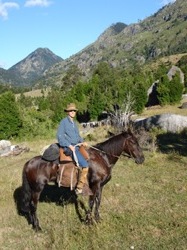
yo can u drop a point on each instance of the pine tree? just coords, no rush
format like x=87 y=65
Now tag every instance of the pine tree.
x=163 y=91
x=10 y=119
x=176 y=89
x=140 y=97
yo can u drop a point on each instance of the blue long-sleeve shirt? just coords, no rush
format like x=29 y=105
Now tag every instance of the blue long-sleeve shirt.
x=68 y=133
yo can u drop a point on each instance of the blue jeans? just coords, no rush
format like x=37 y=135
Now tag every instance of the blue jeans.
x=81 y=160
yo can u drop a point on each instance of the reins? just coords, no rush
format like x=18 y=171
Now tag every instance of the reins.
x=103 y=151
x=79 y=144
x=123 y=154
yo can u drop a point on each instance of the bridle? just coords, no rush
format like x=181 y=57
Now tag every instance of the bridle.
x=130 y=154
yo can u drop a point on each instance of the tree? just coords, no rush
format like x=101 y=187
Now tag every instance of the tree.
x=10 y=119
x=57 y=102
x=96 y=104
x=73 y=75
x=161 y=71
x=169 y=92
x=26 y=101
x=176 y=89
x=163 y=91
x=43 y=103
x=182 y=65
x=140 y=97
x=121 y=116
x=36 y=123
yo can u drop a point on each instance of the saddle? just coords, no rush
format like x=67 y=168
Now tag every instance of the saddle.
x=68 y=173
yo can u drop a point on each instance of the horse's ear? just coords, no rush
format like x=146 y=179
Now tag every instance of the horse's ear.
x=110 y=134
x=129 y=130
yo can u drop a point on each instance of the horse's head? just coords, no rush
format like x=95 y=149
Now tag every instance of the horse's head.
x=132 y=147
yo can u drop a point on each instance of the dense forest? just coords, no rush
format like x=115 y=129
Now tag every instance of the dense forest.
x=108 y=90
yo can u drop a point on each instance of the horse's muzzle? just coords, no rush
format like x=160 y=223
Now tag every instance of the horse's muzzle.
x=140 y=160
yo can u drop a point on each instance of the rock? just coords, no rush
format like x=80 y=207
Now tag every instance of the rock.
x=168 y=122
x=6 y=149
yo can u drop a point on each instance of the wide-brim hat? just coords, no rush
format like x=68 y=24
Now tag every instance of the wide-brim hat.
x=71 y=106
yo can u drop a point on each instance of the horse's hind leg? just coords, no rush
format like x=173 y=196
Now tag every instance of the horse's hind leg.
x=33 y=214
x=97 y=204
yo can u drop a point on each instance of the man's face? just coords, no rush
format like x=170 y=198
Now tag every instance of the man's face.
x=72 y=113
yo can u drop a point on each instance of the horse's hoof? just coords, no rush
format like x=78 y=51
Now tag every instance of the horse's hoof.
x=88 y=222
x=98 y=220
x=37 y=229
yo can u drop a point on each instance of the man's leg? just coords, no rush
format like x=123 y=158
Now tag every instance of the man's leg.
x=83 y=174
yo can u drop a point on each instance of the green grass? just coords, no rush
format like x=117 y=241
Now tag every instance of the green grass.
x=143 y=206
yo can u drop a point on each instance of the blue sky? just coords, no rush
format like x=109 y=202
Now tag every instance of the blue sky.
x=63 y=26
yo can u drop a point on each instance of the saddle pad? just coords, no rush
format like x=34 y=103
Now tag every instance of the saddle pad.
x=68 y=175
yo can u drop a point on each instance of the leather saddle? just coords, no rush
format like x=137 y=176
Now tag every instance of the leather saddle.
x=68 y=173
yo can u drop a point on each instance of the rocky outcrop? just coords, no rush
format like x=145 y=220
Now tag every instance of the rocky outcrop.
x=167 y=122
x=152 y=91
x=173 y=71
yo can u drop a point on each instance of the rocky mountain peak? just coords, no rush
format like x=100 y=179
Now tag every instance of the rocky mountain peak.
x=35 y=64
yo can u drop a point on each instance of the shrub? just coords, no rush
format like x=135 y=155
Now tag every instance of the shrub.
x=10 y=120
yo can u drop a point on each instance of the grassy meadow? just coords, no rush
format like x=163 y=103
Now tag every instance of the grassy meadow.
x=142 y=207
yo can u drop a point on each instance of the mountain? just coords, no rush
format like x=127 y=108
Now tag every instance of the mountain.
x=31 y=68
x=162 y=34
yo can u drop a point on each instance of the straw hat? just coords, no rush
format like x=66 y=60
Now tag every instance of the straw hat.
x=70 y=107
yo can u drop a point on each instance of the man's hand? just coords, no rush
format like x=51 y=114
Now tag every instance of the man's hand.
x=72 y=148
x=84 y=144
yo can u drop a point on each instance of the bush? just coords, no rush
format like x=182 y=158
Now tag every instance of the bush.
x=10 y=120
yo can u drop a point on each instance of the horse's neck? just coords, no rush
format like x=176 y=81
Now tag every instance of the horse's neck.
x=112 y=151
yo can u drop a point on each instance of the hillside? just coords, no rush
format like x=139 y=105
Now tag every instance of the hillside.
x=162 y=34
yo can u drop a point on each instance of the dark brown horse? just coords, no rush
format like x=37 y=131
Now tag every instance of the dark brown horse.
x=38 y=172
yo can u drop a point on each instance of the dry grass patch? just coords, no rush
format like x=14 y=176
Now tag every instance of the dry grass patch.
x=35 y=93
x=143 y=206
x=157 y=110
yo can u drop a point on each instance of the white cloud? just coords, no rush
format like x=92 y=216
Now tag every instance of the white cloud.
x=42 y=3
x=4 y=8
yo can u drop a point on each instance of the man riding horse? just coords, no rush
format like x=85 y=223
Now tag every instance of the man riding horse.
x=70 y=140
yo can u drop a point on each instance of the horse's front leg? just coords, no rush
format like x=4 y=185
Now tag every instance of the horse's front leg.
x=89 y=220
x=33 y=214
x=92 y=199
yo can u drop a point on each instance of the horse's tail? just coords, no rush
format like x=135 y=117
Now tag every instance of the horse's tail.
x=26 y=193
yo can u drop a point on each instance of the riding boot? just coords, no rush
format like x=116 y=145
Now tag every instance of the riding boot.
x=82 y=180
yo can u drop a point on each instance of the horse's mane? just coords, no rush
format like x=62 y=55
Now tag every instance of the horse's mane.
x=112 y=143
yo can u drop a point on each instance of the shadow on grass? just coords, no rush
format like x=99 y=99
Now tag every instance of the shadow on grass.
x=172 y=142
x=61 y=196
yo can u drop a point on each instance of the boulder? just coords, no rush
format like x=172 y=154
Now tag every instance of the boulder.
x=167 y=122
